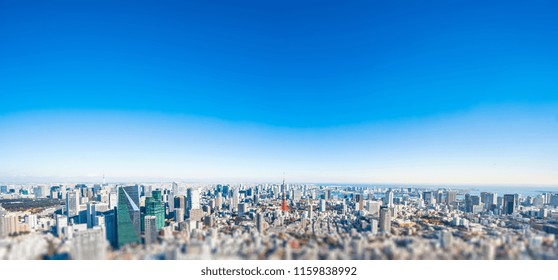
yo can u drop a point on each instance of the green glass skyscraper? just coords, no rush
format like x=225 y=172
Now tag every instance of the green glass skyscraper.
x=154 y=207
x=128 y=215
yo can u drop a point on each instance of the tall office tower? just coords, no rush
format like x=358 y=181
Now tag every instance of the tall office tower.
x=8 y=225
x=475 y=199
x=169 y=199
x=428 y=198
x=510 y=204
x=180 y=203
x=219 y=201
x=128 y=215
x=547 y=198
x=61 y=225
x=343 y=208
x=450 y=197
x=310 y=210
x=241 y=209
x=374 y=207
x=468 y=203
x=485 y=197
x=193 y=199
x=439 y=197
x=226 y=189
x=31 y=221
x=388 y=198
x=178 y=215
x=151 y=229
x=374 y=226
x=195 y=214
x=209 y=221
x=3 y=189
x=322 y=205
x=40 y=191
x=359 y=202
x=538 y=201
x=260 y=222
x=113 y=200
x=385 y=219
x=72 y=204
x=154 y=207
x=91 y=212
x=89 y=245
x=235 y=199
x=110 y=228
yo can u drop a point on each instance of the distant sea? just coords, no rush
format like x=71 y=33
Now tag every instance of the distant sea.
x=500 y=190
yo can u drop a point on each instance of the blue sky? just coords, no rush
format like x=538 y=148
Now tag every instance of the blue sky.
x=447 y=92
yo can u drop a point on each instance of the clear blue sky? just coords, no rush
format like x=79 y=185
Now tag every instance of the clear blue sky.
x=457 y=92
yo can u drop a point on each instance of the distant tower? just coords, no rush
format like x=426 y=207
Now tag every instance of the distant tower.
x=284 y=205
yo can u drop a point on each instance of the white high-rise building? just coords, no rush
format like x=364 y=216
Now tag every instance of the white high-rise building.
x=388 y=198
x=235 y=199
x=31 y=221
x=374 y=207
x=8 y=225
x=322 y=205
x=150 y=229
x=193 y=199
x=61 y=225
x=89 y=244
x=113 y=200
x=72 y=203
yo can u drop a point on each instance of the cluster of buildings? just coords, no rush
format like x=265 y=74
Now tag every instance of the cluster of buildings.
x=276 y=221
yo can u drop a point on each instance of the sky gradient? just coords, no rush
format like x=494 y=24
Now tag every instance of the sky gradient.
x=445 y=92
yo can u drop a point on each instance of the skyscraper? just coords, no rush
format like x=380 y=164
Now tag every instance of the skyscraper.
x=178 y=215
x=322 y=205
x=450 y=199
x=61 y=225
x=428 y=198
x=72 y=204
x=385 y=219
x=388 y=198
x=89 y=245
x=91 y=214
x=110 y=228
x=180 y=203
x=150 y=229
x=154 y=207
x=310 y=210
x=128 y=215
x=359 y=202
x=193 y=199
x=510 y=204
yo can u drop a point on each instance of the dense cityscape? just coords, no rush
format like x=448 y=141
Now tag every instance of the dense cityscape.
x=273 y=221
